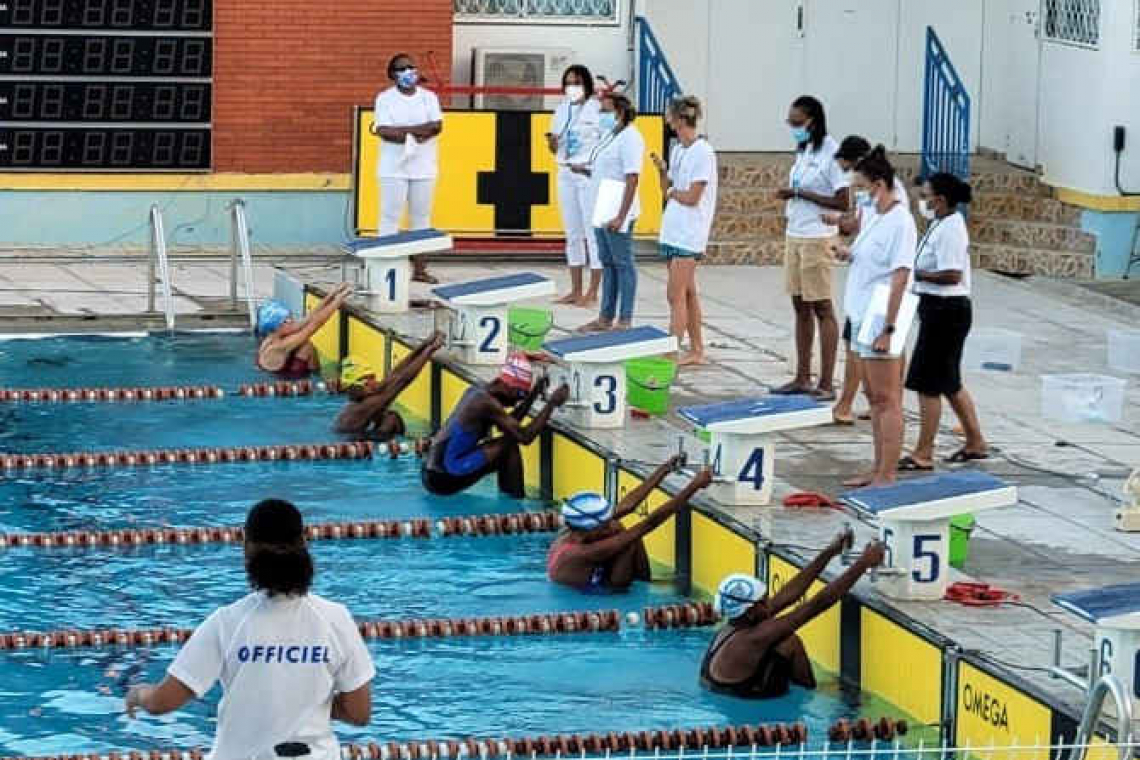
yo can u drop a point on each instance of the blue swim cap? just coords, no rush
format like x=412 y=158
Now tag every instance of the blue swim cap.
x=271 y=315
x=737 y=593
x=586 y=511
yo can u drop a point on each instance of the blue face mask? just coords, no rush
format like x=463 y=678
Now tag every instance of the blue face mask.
x=607 y=121
x=407 y=78
x=801 y=135
x=863 y=198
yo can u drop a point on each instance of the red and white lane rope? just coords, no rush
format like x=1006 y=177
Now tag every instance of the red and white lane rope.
x=474 y=525
x=142 y=458
x=282 y=388
x=687 y=615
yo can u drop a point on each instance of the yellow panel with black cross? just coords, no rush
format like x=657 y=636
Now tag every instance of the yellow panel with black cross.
x=993 y=712
x=368 y=344
x=416 y=398
x=718 y=551
x=495 y=175
x=820 y=636
x=532 y=465
x=661 y=544
x=576 y=468
x=889 y=658
x=452 y=388
x=326 y=340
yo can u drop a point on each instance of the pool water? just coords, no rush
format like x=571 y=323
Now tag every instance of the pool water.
x=70 y=701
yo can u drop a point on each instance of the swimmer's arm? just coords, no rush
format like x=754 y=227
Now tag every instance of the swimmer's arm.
x=164 y=698
x=315 y=321
x=603 y=550
x=522 y=410
x=798 y=586
x=354 y=417
x=354 y=707
x=524 y=434
x=637 y=496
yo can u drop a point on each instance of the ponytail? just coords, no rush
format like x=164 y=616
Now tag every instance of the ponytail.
x=875 y=167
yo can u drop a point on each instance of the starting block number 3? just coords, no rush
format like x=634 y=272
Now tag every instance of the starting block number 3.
x=752 y=471
x=607 y=385
x=926 y=557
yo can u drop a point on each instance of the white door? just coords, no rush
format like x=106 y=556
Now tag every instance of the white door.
x=755 y=71
x=850 y=62
x=1023 y=82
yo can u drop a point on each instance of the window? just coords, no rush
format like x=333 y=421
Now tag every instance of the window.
x=1073 y=22
x=538 y=11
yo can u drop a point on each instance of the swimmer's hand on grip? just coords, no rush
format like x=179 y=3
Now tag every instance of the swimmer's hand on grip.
x=704 y=478
x=873 y=555
x=561 y=395
x=677 y=462
x=843 y=541
x=541 y=385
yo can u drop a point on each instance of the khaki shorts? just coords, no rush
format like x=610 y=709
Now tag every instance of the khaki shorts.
x=807 y=267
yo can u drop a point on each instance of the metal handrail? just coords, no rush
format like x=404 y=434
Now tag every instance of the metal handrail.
x=158 y=258
x=1106 y=685
x=946 y=114
x=656 y=82
x=239 y=249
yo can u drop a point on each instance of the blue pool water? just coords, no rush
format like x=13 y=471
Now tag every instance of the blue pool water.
x=70 y=701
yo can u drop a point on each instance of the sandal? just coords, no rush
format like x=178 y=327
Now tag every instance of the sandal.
x=910 y=464
x=791 y=389
x=819 y=394
x=842 y=421
x=961 y=456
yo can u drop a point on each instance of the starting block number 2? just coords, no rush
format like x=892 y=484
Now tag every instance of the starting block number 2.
x=926 y=557
x=752 y=471
x=491 y=326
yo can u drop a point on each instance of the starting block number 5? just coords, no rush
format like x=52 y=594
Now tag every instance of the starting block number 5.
x=752 y=471
x=926 y=557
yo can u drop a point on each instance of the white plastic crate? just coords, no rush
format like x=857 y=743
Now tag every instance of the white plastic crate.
x=1082 y=398
x=993 y=349
x=1124 y=350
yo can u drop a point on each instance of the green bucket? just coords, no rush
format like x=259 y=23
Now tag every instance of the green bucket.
x=529 y=327
x=647 y=383
x=961 y=527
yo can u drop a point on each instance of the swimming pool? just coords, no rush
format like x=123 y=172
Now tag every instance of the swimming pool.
x=66 y=701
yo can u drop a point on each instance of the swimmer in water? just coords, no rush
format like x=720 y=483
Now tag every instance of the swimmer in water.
x=757 y=653
x=286 y=348
x=367 y=413
x=596 y=552
x=464 y=452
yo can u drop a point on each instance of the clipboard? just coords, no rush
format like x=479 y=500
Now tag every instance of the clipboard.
x=876 y=319
x=607 y=204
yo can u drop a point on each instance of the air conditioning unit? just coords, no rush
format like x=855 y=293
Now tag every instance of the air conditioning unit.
x=540 y=68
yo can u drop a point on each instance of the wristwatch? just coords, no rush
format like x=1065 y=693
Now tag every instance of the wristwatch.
x=889 y=329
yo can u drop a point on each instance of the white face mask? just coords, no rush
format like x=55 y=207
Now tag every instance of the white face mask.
x=574 y=92
x=925 y=209
x=863 y=198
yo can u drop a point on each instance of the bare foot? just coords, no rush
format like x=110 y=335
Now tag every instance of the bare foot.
x=859 y=481
x=568 y=298
x=692 y=358
x=598 y=325
x=881 y=483
x=585 y=302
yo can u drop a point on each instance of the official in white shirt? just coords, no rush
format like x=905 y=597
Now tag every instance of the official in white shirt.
x=882 y=254
x=572 y=139
x=289 y=661
x=816 y=186
x=408 y=120
x=942 y=282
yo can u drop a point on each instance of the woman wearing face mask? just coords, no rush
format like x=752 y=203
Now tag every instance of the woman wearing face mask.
x=408 y=121
x=574 y=135
x=618 y=158
x=942 y=282
x=882 y=254
x=817 y=185
x=689 y=182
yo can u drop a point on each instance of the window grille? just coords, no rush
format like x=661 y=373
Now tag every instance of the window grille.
x=1073 y=22
x=538 y=11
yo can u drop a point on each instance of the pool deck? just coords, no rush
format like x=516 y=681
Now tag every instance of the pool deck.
x=1059 y=537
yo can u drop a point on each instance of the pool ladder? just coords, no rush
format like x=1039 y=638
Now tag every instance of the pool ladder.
x=160 y=261
x=1105 y=686
x=239 y=250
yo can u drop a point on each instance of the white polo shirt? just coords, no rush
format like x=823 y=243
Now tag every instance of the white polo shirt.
x=616 y=157
x=412 y=160
x=280 y=660
x=885 y=244
x=814 y=171
x=688 y=227
x=945 y=247
x=576 y=126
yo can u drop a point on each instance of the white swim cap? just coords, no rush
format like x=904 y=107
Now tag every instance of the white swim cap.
x=586 y=511
x=737 y=593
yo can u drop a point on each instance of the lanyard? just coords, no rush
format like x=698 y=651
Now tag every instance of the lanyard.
x=602 y=145
x=799 y=169
x=571 y=118
x=922 y=243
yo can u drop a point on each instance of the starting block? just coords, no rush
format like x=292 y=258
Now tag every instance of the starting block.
x=740 y=452
x=593 y=366
x=1115 y=611
x=914 y=524
x=387 y=265
x=476 y=320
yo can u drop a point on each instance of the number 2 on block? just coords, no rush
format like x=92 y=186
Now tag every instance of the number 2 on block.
x=492 y=326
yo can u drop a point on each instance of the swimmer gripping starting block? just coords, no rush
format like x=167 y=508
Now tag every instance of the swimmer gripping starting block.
x=740 y=451
x=387 y=265
x=593 y=366
x=914 y=524
x=477 y=313
x=1115 y=611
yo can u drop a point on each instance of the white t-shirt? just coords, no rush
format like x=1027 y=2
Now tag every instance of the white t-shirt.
x=814 y=171
x=885 y=244
x=945 y=246
x=280 y=661
x=688 y=227
x=411 y=160
x=576 y=126
x=617 y=156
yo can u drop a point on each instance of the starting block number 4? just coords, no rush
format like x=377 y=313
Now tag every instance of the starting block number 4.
x=752 y=473
x=746 y=463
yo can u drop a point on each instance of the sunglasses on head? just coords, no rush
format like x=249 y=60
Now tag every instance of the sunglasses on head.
x=405 y=67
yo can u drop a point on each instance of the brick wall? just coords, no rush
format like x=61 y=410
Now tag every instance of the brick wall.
x=287 y=74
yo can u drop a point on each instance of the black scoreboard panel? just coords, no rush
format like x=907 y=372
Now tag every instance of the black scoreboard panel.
x=104 y=101
x=94 y=149
x=159 y=15
x=104 y=56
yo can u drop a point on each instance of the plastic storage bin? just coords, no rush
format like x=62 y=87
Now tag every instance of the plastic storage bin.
x=993 y=349
x=1082 y=398
x=1124 y=350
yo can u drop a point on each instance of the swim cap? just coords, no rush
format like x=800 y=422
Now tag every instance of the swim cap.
x=516 y=373
x=354 y=370
x=274 y=521
x=586 y=511
x=271 y=315
x=737 y=593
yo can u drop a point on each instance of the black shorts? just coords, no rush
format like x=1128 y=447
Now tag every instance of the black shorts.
x=446 y=484
x=847 y=331
x=936 y=365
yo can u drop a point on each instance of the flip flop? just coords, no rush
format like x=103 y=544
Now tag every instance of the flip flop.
x=961 y=456
x=910 y=464
x=791 y=389
x=842 y=421
x=822 y=395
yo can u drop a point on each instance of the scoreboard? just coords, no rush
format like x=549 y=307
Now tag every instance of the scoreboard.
x=105 y=85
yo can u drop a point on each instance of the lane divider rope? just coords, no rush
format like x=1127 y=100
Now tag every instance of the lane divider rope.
x=473 y=525
x=687 y=615
x=864 y=730
x=283 y=388
x=119 y=459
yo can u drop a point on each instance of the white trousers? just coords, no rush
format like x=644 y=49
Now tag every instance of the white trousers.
x=396 y=194
x=576 y=201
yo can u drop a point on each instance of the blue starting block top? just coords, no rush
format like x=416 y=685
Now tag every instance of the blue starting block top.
x=614 y=346
x=402 y=244
x=933 y=497
x=496 y=290
x=1114 y=606
x=758 y=415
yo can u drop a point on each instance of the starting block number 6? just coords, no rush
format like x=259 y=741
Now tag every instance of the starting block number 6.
x=926 y=559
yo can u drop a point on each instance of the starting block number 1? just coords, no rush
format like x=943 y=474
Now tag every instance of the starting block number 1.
x=926 y=555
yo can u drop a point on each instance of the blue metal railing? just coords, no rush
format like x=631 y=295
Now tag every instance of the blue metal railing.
x=945 y=114
x=656 y=82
